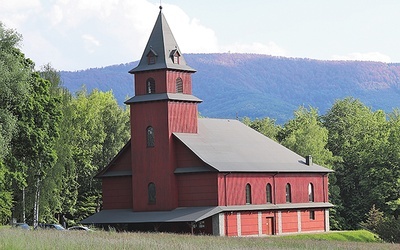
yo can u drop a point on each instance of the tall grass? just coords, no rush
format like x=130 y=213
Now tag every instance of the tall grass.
x=49 y=239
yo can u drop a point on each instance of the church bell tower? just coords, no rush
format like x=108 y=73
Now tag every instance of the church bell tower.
x=163 y=104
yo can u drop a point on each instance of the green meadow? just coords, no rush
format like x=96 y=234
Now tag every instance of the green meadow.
x=49 y=239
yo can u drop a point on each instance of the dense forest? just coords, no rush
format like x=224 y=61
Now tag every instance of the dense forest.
x=52 y=143
x=257 y=86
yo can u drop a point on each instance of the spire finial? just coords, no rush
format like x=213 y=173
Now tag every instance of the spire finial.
x=160 y=6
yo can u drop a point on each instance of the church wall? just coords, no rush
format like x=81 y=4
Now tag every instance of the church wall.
x=165 y=81
x=185 y=157
x=197 y=190
x=249 y=223
x=316 y=224
x=141 y=79
x=152 y=164
x=299 y=187
x=232 y=187
x=124 y=161
x=289 y=221
x=186 y=77
x=182 y=117
x=117 y=192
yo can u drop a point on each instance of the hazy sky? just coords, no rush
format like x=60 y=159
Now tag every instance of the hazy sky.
x=81 y=34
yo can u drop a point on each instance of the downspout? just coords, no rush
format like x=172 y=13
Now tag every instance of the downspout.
x=323 y=186
x=226 y=204
x=273 y=181
x=274 y=199
x=226 y=198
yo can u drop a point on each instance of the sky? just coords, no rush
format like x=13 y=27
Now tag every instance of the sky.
x=81 y=34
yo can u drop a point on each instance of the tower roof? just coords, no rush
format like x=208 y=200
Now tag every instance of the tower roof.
x=162 y=51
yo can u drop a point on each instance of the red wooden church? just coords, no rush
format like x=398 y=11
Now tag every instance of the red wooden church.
x=182 y=173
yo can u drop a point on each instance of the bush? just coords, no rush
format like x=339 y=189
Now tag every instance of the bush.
x=389 y=230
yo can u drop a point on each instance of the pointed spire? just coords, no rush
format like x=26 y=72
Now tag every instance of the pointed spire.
x=162 y=51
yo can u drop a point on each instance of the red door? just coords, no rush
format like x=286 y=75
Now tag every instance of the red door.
x=269 y=224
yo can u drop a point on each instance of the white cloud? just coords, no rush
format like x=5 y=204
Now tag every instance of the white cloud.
x=85 y=34
x=370 y=56
x=7 y=5
x=90 y=43
x=190 y=34
x=270 y=48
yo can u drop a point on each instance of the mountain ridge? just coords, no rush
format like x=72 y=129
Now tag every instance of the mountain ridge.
x=235 y=85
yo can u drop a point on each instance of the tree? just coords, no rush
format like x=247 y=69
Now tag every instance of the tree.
x=359 y=136
x=265 y=126
x=99 y=129
x=14 y=75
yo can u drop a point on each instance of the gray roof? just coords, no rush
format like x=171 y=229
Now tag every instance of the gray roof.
x=162 y=43
x=163 y=96
x=231 y=146
x=188 y=214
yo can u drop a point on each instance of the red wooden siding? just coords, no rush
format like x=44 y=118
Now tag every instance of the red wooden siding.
x=289 y=222
x=249 y=223
x=185 y=157
x=123 y=162
x=231 y=224
x=299 y=187
x=318 y=224
x=186 y=79
x=236 y=186
x=165 y=81
x=152 y=164
x=117 y=192
x=182 y=117
x=197 y=190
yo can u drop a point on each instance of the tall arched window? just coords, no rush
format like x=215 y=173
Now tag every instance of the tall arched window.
x=151 y=192
x=179 y=85
x=248 y=194
x=288 y=193
x=310 y=192
x=150 y=136
x=268 y=191
x=150 y=86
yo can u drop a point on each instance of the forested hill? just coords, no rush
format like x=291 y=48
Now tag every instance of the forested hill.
x=259 y=86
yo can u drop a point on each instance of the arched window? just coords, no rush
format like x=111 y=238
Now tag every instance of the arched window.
x=268 y=192
x=151 y=192
x=310 y=192
x=179 y=85
x=288 y=193
x=248 y=194
x=150 y=86
x=150 y=136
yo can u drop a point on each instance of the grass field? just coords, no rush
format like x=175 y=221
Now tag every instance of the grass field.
x=49 y=239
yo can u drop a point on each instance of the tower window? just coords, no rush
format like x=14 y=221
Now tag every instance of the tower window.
x=175 y=56
x=248 y=194
x=269 y=193
x=150 y=137
x=150 y=86
x=288 y=193
x=179 y=85
x=151 y=57
x=310 y=192
x=151 y=193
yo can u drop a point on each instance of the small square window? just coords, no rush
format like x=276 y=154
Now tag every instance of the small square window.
x=312 y=215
